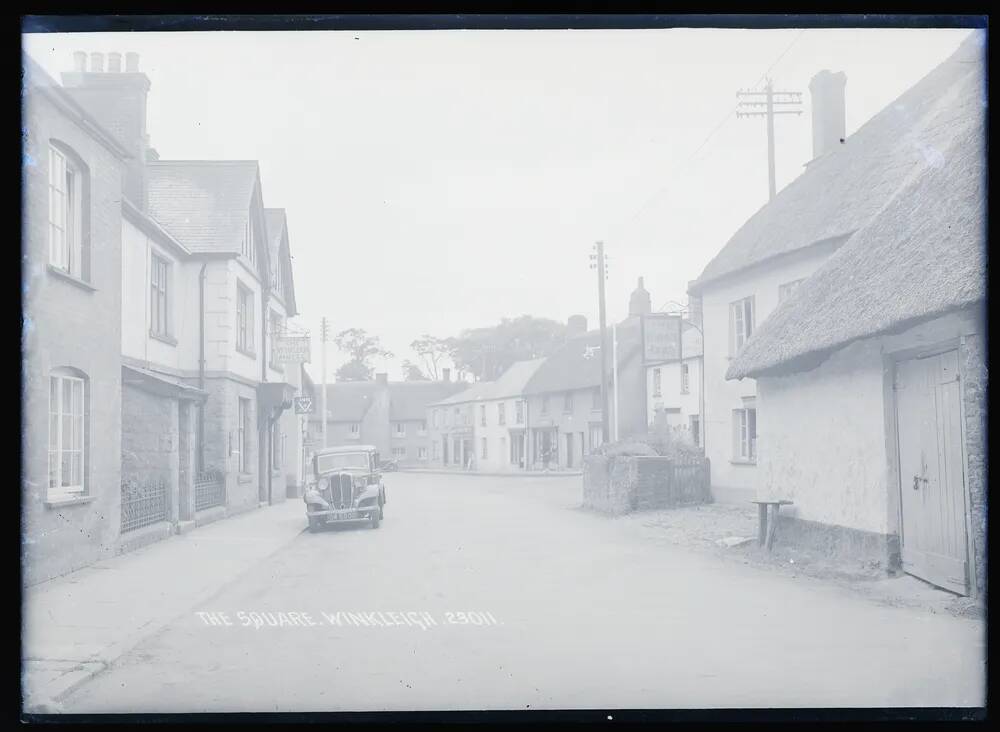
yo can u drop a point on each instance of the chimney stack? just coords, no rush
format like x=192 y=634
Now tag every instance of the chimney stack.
x=640 y=303
x=118 y=101
x=446 y=375
x=829 y=120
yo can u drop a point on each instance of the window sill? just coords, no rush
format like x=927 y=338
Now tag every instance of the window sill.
x=244 y=478
x=72 y=279
x=742 y=461
x=251 y=354
x=163 y=338
x=67 y=501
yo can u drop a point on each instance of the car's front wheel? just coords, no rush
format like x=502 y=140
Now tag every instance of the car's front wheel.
x=315 y=524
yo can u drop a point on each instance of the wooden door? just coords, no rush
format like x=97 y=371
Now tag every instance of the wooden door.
x=931 y=470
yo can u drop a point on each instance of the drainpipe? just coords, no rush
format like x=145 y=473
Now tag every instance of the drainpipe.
x=201 y=366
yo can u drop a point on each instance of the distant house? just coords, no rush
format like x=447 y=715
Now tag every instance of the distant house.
x=846 y=185
x=872 y=376
x=673 y=387
x=484 y=426
x=391 y=415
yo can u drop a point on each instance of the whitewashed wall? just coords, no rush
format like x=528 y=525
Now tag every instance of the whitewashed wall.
x=732 y=480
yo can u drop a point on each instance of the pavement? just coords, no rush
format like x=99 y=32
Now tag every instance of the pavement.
x=480 y=594
x=76 y=626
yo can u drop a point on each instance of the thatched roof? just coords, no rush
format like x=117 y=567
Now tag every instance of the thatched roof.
x=843 y=190
x=922 y=256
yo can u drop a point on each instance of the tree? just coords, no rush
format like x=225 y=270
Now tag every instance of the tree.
x=433 y=352
x=487 y=352
x=412 y=372
x=361 y=347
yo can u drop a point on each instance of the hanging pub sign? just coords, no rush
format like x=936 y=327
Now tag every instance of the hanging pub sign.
x=290 y=349
x=661 y=337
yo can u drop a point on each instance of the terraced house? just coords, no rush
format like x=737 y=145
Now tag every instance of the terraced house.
x=202 y=282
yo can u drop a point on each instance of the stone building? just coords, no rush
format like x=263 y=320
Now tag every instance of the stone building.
x=71 y=336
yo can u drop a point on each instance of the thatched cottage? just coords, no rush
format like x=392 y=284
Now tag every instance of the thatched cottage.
x=871 y=376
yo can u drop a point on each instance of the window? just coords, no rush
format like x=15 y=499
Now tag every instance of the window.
x=501 y=413
x=65 y=213
x=519 y=411
x=545 y=404
x=568 y=402
x=745 y=434
x=276 y=327
x=695 y=425
x=400 y=430
x=399 y=452
x=421 y=453
x=422 y=428
x=248 y=249
x=788 y=288
x=243 y=426
x=482 y=414
x=685 y=379
x=484 y=448
x=158 y=299
x=741 y=323
x=355 y=429
x=244 y=319
x=657 y=383
x=67 y=433
x=595 y=399
x=596 y=437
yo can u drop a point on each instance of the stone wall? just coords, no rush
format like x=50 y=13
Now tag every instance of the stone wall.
x=621 y=484
x=221 y=429
x=150 y=436
x=975 y=377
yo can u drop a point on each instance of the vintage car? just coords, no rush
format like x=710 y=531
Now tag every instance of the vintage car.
x=345 y=485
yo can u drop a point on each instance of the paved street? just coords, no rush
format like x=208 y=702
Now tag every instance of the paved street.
x=588 y=615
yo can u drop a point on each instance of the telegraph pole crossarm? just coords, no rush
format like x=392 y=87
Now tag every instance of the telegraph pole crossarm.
x=772 y=104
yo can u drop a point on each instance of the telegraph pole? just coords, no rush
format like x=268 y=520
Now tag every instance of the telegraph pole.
x=773 y=103
x=324 y=334
x=597 y=262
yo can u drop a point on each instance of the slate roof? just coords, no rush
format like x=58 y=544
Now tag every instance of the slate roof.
x=347 y=401
x=570 y=367
x=203 y=203
x=474 y=392
x=408 y=400
x=843 y=190
x=922 y=256
x=511 y=383
x=276 y=223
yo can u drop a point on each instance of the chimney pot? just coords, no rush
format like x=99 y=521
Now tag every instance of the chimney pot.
x=131 y=62
x=79 y=61
x=829 y=122
x=114 y=63
x=97 y=62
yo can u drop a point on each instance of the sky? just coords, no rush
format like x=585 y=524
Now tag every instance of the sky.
x=442 y=180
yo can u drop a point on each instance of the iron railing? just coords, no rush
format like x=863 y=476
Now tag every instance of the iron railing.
x=209 y=489
x=143 y=503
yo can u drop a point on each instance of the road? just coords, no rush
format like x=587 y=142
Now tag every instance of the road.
x=588 y=615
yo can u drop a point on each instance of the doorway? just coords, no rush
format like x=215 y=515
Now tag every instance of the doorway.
x=569 y=449
x=933 y=531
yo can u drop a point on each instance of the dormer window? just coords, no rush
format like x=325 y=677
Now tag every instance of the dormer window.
x=249 y=250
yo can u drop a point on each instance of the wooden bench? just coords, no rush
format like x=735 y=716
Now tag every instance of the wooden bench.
x=765 y=526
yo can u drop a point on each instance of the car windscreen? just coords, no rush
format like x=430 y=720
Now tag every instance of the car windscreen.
x=357 y=460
